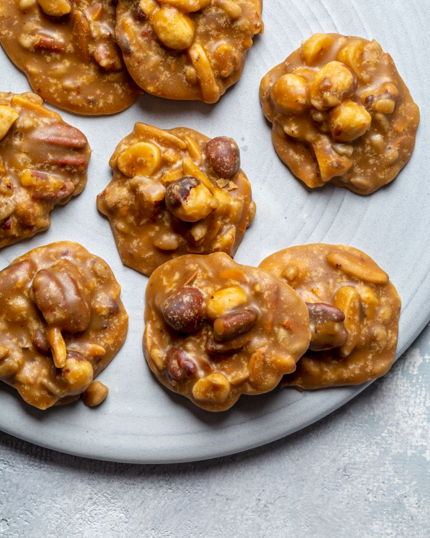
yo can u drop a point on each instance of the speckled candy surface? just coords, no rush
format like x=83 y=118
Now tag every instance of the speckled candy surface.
x=139 y=422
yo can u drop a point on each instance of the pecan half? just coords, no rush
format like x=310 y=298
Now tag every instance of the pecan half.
x=61 y=296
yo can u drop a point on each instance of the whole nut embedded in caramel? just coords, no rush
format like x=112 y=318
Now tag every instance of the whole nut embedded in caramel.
x=69 y=53
x=354 y=314
x=183 y=310
x=224 y=156
x=341 y=113
x=216 y=329
x=173 y=193
x=43 y=163
x=62 y=323
x=187 y=49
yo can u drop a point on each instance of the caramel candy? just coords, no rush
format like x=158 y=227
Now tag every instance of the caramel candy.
x=354 y=313
x=216 y=329
x=341 y=113
x=43 y=163
x=168 y=197
x=68 y=51
x=187 y=49
x=61 y=321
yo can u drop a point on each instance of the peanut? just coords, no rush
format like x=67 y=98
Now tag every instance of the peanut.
x=233 y=9
x=349 y=121
x=290 y=94
x=173 y=28
x=331 y=85
x=357 y=266
x=95 y=394
x=8 y=116
x=208 y=84
x=315 y=47
x=214 y=387
x=55 y=8
x=140 y=159
x=347 y=299
x=189 y=200
x=225 y=300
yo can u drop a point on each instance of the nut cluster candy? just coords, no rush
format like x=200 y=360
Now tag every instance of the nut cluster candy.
x=187 y=49
x=341 y=113
x=68 y=51
x=43 y=162
x=354 y=314
x=61 y=321
x=216 y=329
x=173 y=193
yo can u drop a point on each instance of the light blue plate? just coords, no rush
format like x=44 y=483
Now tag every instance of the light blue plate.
x=141 y=421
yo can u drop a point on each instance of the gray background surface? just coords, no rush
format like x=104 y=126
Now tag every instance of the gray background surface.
x=364 y=471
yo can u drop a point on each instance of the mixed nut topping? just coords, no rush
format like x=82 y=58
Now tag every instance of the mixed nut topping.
x=341 y=113
x=68 y=51
x=354 y=313
x=187 y=49
x=43 y=162
x=175 y=192
x=62 y=322
x=216 y=329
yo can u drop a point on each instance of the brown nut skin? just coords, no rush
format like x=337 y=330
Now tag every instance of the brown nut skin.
x=179 y=366
x=61 y=296
x=224 y=155
x=231 y=325
x=178 y=191
x=183 y=310
x=327 y=328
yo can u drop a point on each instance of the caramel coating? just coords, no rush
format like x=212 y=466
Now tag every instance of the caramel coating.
x=252 y=330
x=61 y=323
x=68 y=52
x=43 y=163
x=187 y=49
x=341 y=113
x=348 y=279
x=166 y=200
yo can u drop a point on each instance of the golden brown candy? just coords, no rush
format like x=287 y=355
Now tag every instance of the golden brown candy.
x=341 y=113
x=354 y=311
x=68 y=51
x=61 y=321
x=43 y=163
x=187 y=49
x=167 y=198
x=216 y=329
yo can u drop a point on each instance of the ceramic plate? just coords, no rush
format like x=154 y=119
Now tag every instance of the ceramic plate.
x=141 y=421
